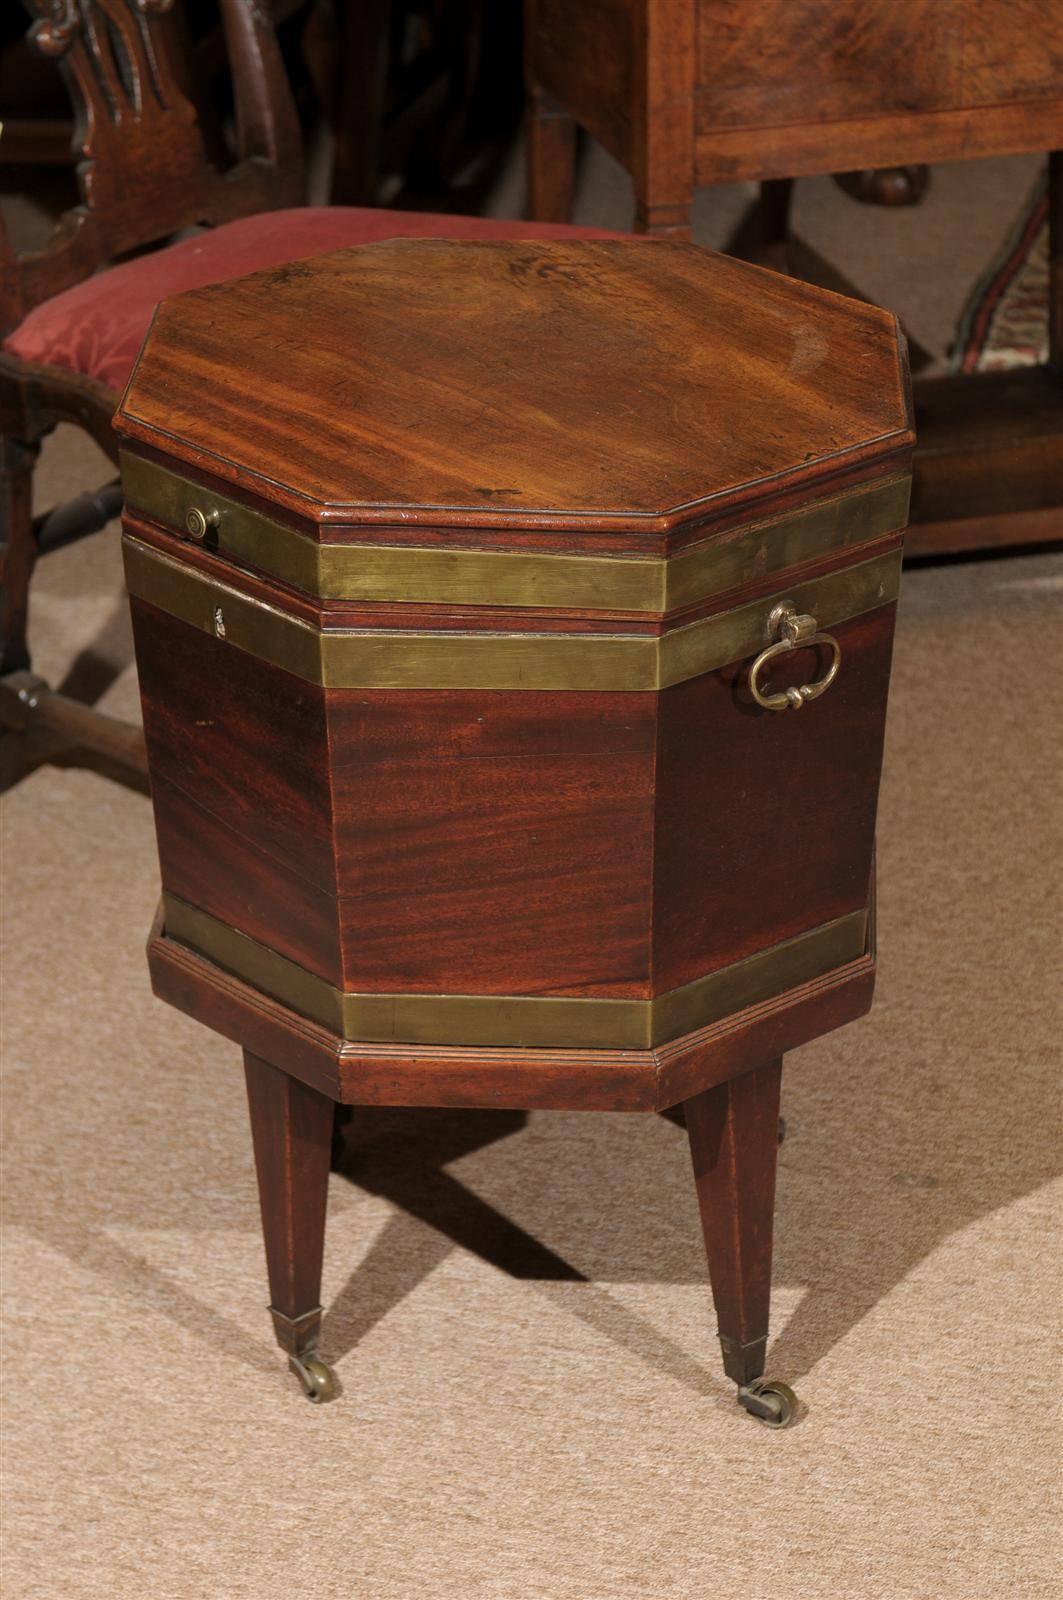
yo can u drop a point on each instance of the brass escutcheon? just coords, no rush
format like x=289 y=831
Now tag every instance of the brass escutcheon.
x=792 y=631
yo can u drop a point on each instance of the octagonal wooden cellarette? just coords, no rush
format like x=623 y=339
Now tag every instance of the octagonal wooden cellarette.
x=513 y=623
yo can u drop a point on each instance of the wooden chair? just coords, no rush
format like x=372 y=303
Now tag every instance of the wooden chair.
x=72 y=317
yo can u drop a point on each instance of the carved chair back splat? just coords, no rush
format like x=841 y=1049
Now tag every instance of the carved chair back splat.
x=145 y=172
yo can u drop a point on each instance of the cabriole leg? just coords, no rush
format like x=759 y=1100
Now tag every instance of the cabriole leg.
x=291 y=1127
x=734 y=1139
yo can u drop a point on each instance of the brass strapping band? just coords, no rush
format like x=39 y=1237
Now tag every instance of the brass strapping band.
x=520 y=1021
x=369 y=658
x=425 y=575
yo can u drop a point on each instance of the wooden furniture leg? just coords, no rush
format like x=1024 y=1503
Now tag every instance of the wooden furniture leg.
x=291 y=1126
x=734 y=1138
x=662 y=208
x=551 y=156
x=360 y=69
x=17 y=547
x=1055 y=253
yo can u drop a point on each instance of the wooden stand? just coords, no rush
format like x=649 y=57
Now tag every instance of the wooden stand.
x=530 y=760
x=725 y=1078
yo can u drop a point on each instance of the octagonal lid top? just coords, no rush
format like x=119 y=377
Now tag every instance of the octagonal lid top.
x=540 y=382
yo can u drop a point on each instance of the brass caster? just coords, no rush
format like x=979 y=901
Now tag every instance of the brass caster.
x=318 y=1380
x=771 y=1402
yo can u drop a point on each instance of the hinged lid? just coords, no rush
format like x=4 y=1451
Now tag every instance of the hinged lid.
x=637 y=390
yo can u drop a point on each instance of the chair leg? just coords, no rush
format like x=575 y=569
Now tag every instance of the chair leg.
x=734 y=1140
x=776 y=199
x=1055 y=253
x=18 y=549
x=666 y=219
x=551 y=157
x=291 y=1127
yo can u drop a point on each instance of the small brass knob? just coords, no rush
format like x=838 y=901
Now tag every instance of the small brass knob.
x=197 y=522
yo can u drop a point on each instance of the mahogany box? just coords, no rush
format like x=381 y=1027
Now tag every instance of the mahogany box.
x=513 y=623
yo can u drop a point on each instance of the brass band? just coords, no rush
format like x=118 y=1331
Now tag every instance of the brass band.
x=431 y=576
x=519 y=1021
x=369 y=658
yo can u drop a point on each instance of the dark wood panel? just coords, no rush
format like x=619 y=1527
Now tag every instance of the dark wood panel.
x=494 y=843
x=244 y=740
x=588 y=56
x=216 y=868
x=989 y=443
x=778 y=62
x=785 y=803
x=959 y=535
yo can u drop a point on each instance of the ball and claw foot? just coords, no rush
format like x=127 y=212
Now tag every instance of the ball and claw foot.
x=318 y=1380
x=772 y=1403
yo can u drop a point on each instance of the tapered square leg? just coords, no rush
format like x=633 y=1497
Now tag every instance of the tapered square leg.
x=551 y=157
x=291 y=1127
x=734 y=1138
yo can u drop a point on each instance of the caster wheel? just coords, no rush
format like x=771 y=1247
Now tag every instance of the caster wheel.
x=318 y=1380
x=782 y=1129
x=772 y=1403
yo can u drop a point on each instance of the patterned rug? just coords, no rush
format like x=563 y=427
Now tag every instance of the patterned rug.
x=1005 y=321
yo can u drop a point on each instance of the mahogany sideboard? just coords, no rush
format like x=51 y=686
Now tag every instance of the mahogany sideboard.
x=692 y=92
x=513 y=623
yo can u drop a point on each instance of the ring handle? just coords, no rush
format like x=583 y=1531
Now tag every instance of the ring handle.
x=793 y=632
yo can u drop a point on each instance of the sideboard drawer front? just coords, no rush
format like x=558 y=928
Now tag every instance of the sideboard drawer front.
x=776 y=63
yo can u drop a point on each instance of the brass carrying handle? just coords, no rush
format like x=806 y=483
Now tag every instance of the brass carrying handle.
x=792 y=632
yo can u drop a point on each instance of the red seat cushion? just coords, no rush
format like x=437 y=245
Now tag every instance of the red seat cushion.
x=96 y=328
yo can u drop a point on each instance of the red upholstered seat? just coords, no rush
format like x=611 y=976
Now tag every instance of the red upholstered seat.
x=96 y=328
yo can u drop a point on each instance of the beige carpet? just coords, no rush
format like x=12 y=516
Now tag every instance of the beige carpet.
x=537 y=1409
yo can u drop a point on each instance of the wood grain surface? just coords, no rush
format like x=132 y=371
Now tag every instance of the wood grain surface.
x=512 y=842
x=496 y=840
x=734 y=1140
x=805 y=149
x=857 y=58
x=147 y=162
x=291 y=1130
x=764 y=821
x=247 y=741
x=776 y=89
x=504 y=380
x=216 y=867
